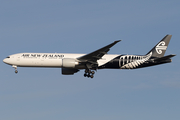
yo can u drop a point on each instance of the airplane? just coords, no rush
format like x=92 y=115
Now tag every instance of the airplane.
x=99 y=59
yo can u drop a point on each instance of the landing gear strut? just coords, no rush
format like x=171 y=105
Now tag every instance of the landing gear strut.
x=89 y=73
x=15 y=67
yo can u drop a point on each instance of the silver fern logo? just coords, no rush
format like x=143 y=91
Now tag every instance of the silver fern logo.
x=133 y=61
x=161 y=46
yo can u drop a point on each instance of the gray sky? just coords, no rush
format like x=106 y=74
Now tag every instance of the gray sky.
x=82 y=27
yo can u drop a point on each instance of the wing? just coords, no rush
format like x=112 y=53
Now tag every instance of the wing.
x=98 y=54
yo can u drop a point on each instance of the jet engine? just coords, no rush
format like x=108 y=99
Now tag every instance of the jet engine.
x=69 y=63
x=68 y=66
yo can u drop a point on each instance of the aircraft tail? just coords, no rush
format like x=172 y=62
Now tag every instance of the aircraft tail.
x=160 y=49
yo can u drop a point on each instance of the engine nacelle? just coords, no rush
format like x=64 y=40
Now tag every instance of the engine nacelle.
x=69 y=71
x=69 y=63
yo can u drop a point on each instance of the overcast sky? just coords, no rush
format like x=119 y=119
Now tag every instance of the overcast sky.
x=78 y=26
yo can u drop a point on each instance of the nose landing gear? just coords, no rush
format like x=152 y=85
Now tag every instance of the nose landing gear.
x=89 y=73
x=15 y=67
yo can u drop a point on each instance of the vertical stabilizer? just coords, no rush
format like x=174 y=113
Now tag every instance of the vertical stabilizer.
x=160 y=49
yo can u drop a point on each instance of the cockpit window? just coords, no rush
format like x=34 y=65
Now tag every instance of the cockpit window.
x=8 y=57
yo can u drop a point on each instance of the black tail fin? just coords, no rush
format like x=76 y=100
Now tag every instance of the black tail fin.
x=160 y=49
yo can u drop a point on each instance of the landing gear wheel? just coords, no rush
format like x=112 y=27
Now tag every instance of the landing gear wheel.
x=89 y=73
x=86 y=71
x=16 y=71
x=15 y=67
x=85 y=75
x=92 y=72
x=92 y=76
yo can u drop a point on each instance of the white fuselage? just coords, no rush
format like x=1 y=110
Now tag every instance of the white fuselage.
x=99 y=59
x=47 y=59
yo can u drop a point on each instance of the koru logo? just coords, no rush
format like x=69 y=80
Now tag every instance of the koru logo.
x=161 y=46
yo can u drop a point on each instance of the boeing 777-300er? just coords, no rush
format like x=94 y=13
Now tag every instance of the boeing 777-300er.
x=99 y=59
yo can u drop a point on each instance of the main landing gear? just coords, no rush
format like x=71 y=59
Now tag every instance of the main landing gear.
x=89 y=73
x=15 y=67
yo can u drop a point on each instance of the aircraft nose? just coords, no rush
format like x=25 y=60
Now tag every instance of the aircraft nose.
x=5 y=60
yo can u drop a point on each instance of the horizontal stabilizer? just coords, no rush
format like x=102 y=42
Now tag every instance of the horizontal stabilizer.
x=164 y=58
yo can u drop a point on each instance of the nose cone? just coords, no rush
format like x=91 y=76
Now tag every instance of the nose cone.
x=6 y=60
